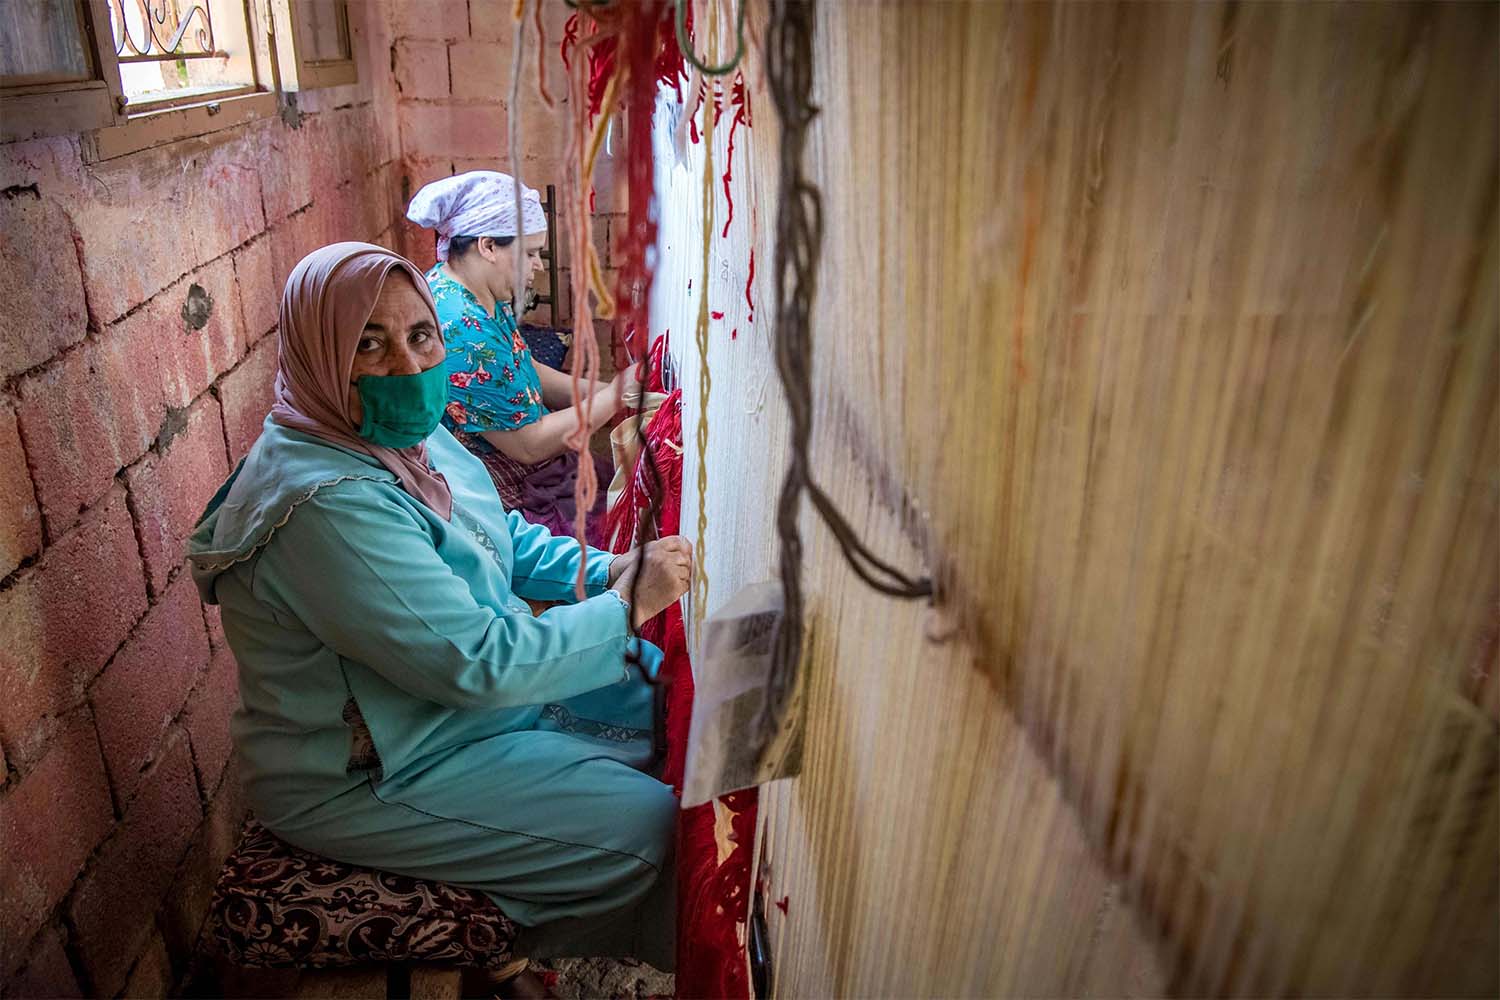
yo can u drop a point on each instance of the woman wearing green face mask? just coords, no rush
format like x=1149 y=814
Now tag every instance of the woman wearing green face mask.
x=401 y=708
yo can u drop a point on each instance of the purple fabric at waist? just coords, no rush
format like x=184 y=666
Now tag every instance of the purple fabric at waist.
x=543 y=492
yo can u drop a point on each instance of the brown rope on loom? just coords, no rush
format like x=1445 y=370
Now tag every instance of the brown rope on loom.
x=799 y=243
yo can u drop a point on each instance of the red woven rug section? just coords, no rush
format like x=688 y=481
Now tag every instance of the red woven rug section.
x=713 y=894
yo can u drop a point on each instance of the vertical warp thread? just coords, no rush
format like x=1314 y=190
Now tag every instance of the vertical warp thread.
x=1151 y=731
x=705 y=380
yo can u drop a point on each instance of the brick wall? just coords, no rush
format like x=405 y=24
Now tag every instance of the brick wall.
x=135 y=367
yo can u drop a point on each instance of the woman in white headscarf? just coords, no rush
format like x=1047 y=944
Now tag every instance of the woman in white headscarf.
x=512 y=412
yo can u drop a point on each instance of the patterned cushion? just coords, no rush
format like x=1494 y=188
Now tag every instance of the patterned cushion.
x=276 y=905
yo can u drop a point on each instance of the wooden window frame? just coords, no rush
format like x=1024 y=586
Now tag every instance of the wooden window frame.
x=36 y=110
x=97 y=109
x=296 y=70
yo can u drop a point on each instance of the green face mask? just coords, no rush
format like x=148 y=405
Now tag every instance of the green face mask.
x=401 y=410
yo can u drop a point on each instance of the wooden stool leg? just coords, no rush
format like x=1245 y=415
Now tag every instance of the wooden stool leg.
x=360 y=983
x=436 y=982
x=238 y=983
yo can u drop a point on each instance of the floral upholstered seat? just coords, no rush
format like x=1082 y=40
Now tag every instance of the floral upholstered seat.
x=278 y=906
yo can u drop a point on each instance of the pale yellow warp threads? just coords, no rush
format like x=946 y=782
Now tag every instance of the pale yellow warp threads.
x=705 y=381
x=597 y=284
x=600 y=287
x=1177 y=327
x=606 y=111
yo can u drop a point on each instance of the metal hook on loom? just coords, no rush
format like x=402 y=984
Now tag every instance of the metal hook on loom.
x=940 y=623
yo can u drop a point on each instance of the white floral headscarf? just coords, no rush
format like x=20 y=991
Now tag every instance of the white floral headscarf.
x=477 y=203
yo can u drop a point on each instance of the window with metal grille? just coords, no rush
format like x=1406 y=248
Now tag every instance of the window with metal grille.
x=127 y=74
x=176 y=52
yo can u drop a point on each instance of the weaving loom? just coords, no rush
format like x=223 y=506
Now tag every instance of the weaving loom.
x=1165 y=340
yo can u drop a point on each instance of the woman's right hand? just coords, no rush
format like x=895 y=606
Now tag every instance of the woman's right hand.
x=627 y=386
x=654 y=582
x=557 y=431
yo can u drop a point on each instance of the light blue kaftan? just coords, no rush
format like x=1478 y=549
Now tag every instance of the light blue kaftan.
x=401 y=707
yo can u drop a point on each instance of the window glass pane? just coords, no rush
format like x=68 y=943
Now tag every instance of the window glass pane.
x=41 y=41
x=323 y=30
x=175 y=51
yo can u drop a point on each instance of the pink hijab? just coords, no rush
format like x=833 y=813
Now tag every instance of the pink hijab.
x=328 y=299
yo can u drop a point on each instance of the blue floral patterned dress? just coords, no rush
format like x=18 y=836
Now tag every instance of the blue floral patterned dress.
x=493 y=385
